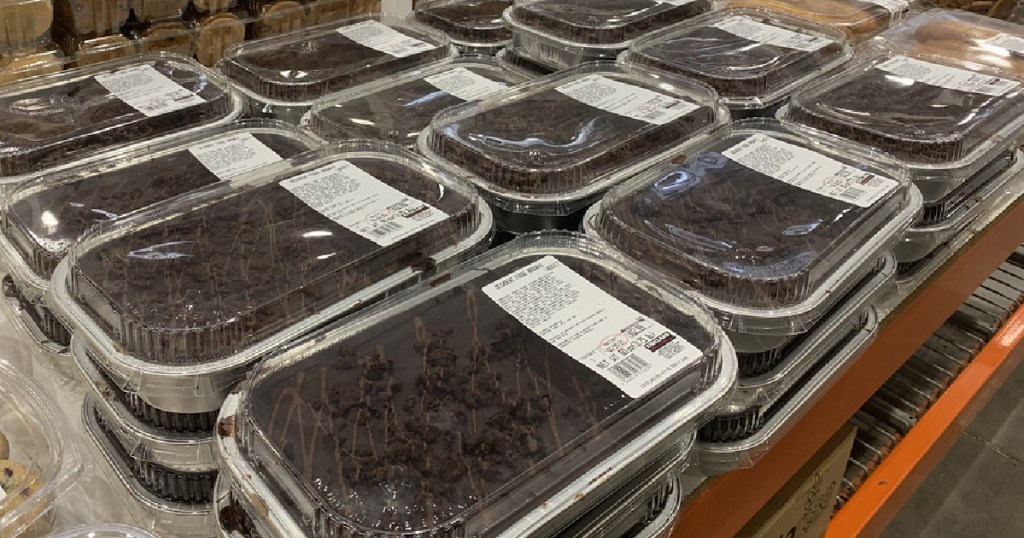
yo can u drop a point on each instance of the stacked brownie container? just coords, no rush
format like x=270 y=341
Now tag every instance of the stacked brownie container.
x=474 y=26
x=790 y=258
x=503 y=399
x=942 y=93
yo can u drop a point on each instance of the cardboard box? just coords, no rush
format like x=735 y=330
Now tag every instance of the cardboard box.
x=803 y=507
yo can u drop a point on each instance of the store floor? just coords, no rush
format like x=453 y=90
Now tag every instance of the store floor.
x=978 y=489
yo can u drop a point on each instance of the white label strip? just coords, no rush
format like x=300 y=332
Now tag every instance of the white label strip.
x=234 y=155
x=810 y=170
x=1011 y=43
x=464 y=84
x=383 y=38
x=947 y=77
x=147 y=90
x=771 y=35
x=629 y=349
x=892 y=6
x=626 y=99
x=346 y=194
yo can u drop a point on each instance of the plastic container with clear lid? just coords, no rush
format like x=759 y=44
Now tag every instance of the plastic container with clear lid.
x=517 y=59
x=488 y=428
x=541 y=152
x=26 y=24
x=52 y=121
x=282 y=76
x=43 y=217
x=38 y=462
x=945 y=119
x=566 y=33
x=473 y=26
x=398 y=108
x=105 y=530
x=177 y=301
x=860 y=19
x=752 y=58
x=771 y=225
x=715 y=458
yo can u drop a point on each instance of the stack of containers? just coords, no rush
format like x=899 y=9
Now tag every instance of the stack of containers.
x=170 y=307
x=542 y=152
x=473 y=26
x=754 y=59
x=859 y=19
x=509 y=56
x=398 y=108
x=88 y=119
x=560 y=34
x=43 y=218
x=25 y=46
x=92 y=31
x=281 y=77
x=38 y=463
x=943 y=94
x=509 y=398
x=785 y=234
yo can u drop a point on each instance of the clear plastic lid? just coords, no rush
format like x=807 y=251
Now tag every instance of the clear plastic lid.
x=943 y=120
x=466 y=21
x=44 y=217
x=90 y=17
x=761 y=219
x=193 y=281
x=399 y=108
x=22 y=65
x=753 y=59
x=860 y=19
x=54 y=120
x=957 y=202
x=24 y=24
x=551 y=146
x=37 y=462
x=517 y=59
x=449 y=411
x=108 y=530
x=304 y=66
x=602 y=22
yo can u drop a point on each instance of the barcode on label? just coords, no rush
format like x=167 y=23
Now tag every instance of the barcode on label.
x=386 y=229
x=852 y=194
x=629 y=368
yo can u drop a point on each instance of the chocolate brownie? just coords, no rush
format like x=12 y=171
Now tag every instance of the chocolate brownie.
x=546 y=142
x=910 y=119
x=737 y=235
x=427 y=415
x=733 y=65
x=604 y=21
x=206 y=283
x=61 y=121
x=471 y=21
x=312 y=65
x=43 y=225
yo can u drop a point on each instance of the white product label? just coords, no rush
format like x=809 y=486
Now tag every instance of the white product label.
x=629 y=349
x=365 y=205
x=234 y=155
x=892 y=6
x=147 y=90
x=465 y=84
x=626 y=99
x=1011 y=43
x=810 y=170
x=771 y=35
x=383 y=38
x=947 y=77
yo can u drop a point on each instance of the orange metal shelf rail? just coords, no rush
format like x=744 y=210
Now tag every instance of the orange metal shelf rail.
x=723 y=505
x=899 y=475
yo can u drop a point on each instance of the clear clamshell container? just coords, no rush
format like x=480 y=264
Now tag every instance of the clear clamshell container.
x=753 y=59
x=176 y=302
x=541 y=152
x=282 y=76
x=16 y=66
x=398 y=108
x=43 y=218
x=473 y=26
x=566 y=33
x=105 y=530
x=24 y=24
x=38 y=463
x=859 y=19
x=946 y=120
x=488 y=428
x=715 y=458
x=50 y=122
x=517 y=59
x=90 y=17
x=770 y=225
